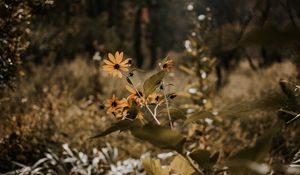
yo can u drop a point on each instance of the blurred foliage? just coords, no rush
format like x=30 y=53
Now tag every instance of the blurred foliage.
x=143 y=29
x=14 y=22
x=60 y=95
x=260 y=31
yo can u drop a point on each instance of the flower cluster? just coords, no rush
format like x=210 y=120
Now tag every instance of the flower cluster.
x=132 y=106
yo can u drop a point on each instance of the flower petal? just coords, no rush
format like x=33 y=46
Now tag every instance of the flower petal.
x=130 y=89
x=108 y=62
x=125 y=61
x=119 y=74
x=124 y=69
x=108 y=68
x=111 y=58
x=119 y=57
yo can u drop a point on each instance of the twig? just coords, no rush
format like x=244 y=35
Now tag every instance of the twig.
x=167 y=104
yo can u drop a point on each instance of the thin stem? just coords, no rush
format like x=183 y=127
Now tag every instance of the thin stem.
x=153 y=115
x=293 y=119
x=155 y=108
x=167 y=104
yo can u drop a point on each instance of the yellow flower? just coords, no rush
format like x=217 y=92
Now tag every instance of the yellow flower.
x=167 y=65
x=154 y=98
x=135 y=96
x=114 y=104
x=120 y=113
x=115 y=65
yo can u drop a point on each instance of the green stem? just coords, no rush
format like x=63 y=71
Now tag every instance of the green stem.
x=167 y=104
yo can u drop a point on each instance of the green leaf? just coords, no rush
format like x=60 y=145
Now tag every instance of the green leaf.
x=181 y=166
x=204 y=159
x=197 y=116
x=153 y=167
x=175 y=113
x=160 y=136
x=153 y=82
x=119 y=126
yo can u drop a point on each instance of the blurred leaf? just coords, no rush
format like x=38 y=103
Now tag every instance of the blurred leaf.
x=238 y=162
x=292 y=91
x=187 y=70
x=204 y=159
x=197 y=116
x=153 y=82
x=258 y=151
x=270 y=102
x=160 y=136
x=153 y=167
x=119 y=126
x=137 y=70
x=269 y=35
x=181 y=166
x=288 y=88
x=175 y=113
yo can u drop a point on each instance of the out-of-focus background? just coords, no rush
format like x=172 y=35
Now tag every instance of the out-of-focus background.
x=52 y=89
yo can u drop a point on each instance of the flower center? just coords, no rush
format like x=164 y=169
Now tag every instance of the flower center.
x=116 y=66
x=114 y=104
x=156 y=98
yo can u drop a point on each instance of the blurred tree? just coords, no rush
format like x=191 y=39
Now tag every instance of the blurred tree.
x=234 y=20
x=159 y=26
x=15 y=19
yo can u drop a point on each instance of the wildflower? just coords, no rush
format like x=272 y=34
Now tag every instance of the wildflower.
x=167 y=65
x=115 y=65
x=114 y=104
x=120 y=113
x=135 y=96
x=154 y=98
